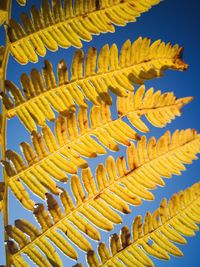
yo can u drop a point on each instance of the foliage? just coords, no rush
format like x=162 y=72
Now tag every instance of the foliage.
x=164 y=226
x=117 y=187
x=85 y=127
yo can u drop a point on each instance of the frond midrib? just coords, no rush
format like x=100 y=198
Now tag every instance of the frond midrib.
x=139 y=111
x=9 y=112
x=89 y=200
x=68 y=21
x=152 y=232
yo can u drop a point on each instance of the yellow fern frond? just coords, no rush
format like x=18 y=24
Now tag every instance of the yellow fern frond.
x=155 y=236
x=2 y=186
x=66 y=25
x=137 y=62
x=117 y=184
x=55 y=156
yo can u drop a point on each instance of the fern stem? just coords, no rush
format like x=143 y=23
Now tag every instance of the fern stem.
x=4 y=139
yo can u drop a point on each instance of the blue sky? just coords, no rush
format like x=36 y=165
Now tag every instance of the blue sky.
x=174 y=21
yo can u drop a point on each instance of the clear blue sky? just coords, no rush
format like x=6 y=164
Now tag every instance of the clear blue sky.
x=176 y=21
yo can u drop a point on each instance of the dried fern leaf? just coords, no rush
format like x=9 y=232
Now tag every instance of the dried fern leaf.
x=117 y=185
x=155 y=236
x=66 y=25
x=53 y=157
x=3 y=12
x=137 y=62
x=2 y=186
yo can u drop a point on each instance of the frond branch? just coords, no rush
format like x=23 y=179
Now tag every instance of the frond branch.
x=96 y=207
x=90 y=78
x=66 y=25
x=75 y=140
x=181 y=205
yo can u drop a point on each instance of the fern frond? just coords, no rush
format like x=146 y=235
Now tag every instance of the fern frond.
x=118 y=184
x=65 y=25
x=2 y=186
x=75 y=138
x=155 y=236
x=137 y=62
